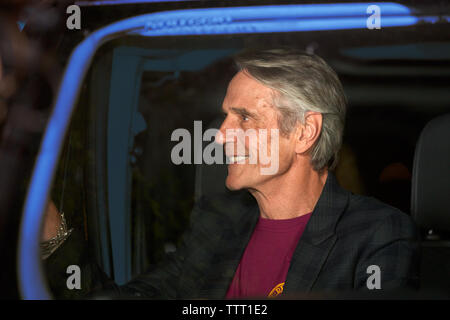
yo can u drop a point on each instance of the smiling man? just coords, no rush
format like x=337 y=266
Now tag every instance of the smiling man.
x=293 y=188
x=286 y=197
x=304 y=233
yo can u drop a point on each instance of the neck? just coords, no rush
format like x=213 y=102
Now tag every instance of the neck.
x=292 y=195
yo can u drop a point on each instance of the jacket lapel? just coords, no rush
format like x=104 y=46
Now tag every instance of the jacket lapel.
x=308 y=258
x=318 y=238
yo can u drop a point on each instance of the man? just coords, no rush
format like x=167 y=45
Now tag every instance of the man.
x=304 y=233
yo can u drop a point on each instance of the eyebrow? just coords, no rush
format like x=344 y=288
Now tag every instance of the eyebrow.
x=244 y=112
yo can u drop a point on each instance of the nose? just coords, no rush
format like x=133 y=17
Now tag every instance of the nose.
x=220 y=137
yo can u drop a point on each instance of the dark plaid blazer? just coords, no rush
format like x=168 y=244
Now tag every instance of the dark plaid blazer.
x=344 y=236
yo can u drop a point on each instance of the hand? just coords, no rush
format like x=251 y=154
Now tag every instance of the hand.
x=52 y=222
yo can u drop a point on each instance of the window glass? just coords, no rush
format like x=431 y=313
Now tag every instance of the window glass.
x=129 y=201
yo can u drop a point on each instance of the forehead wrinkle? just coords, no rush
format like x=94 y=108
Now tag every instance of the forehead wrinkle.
x=246 y=92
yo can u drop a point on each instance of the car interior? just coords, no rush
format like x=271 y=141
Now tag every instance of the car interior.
x=129 y=204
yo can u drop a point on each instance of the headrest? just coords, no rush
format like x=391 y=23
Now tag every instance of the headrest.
x=430 y=196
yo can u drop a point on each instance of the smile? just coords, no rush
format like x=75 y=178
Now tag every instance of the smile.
x=237 y=159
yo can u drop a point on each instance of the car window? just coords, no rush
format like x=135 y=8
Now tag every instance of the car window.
x=129 y=198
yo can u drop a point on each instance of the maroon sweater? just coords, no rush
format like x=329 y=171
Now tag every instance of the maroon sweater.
x=265 y=262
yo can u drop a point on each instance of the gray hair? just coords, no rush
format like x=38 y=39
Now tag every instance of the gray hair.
x=303 y=82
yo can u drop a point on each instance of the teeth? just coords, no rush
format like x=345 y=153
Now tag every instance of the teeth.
x=237 y=159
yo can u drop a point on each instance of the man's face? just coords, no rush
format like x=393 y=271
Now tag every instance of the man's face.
x=248 y=107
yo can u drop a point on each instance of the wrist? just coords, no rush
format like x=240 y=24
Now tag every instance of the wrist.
x=52 y=222
x=51 y=244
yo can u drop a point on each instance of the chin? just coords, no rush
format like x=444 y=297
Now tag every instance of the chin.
x=233 y=185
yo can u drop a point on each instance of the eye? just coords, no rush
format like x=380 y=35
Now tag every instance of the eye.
x=245 y=118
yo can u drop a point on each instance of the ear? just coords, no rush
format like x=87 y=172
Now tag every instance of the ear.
x=309 y=132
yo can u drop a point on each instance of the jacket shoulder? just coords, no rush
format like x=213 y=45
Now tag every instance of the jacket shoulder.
x=370 y=215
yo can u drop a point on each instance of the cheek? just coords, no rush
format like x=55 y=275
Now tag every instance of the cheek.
x=285 y=150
